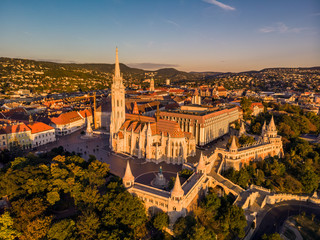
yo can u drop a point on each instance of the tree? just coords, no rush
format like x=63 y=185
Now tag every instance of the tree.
x=7 y=231
x=237 y=221
x=182 y=226
x=97 y=172
x=310 y=181
x=26 y=211
x=199 y=232
x=246 y=140
x=256 y=128
x=244 y=177
x=87 y=224
x=246 y=107
x=53 y=197
x=160 y=221
x=62 y=230
x=37 y=229
x=274 y=236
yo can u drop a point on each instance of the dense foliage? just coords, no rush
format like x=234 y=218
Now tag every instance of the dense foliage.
x=215 y=218
x=67 y=197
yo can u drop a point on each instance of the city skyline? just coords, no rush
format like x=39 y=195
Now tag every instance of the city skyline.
x=202 y=35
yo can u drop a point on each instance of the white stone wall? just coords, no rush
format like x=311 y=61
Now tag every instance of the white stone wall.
x=42 y=138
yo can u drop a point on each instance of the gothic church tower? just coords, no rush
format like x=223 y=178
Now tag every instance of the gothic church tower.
x=118 y=115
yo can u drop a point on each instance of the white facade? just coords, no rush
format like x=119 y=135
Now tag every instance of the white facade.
x=42 y=138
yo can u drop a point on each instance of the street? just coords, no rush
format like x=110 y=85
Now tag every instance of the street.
x=276 y=216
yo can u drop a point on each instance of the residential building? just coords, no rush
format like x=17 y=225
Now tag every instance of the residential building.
x=41 y=133
x=18 y=134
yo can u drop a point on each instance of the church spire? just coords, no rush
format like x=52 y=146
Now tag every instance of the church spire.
x=117 y=67
x=118 y=114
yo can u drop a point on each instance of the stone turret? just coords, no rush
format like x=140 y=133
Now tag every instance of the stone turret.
x=177 y=191
x=201 y=168
x=135 y=109
x=272 y=126
x=242 y=129
x=271 y=129
x=128 y=178
x=233 y=147
x=264 y=128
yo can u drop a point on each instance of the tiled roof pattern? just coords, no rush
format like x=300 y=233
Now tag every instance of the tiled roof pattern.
x=16 y=128
x=39 y=127
x=66 y=118
x=166 y=127
x=85 y=113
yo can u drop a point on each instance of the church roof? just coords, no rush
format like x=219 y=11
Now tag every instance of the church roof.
x=177 y=190
x=138 y=122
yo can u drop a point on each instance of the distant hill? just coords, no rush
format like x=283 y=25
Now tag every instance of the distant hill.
x=108 y=68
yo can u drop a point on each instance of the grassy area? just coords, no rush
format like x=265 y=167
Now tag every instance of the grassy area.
x=308 y=226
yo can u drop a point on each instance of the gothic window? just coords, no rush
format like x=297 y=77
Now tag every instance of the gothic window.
x=117 y=103
x=118 y=114
x=177 y=150
x=172 y=149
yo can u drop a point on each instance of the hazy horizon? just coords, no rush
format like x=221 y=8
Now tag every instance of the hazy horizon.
x=135 y=65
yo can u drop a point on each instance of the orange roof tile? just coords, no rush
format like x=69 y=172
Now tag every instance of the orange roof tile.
x=257 y=104
x=39 y=127
x=85 y=113
x=137 y=123
x=66 y=118
x=16 y=128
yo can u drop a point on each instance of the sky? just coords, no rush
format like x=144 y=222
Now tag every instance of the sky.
x=189 y=35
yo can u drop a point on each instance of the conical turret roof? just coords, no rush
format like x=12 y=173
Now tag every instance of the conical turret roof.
x=135 y=109
x=201 y=165
x=233 y=145
x=128 y=176
x=242 y=128
x=177 y=190
x=272 y=126
x=264 y=127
